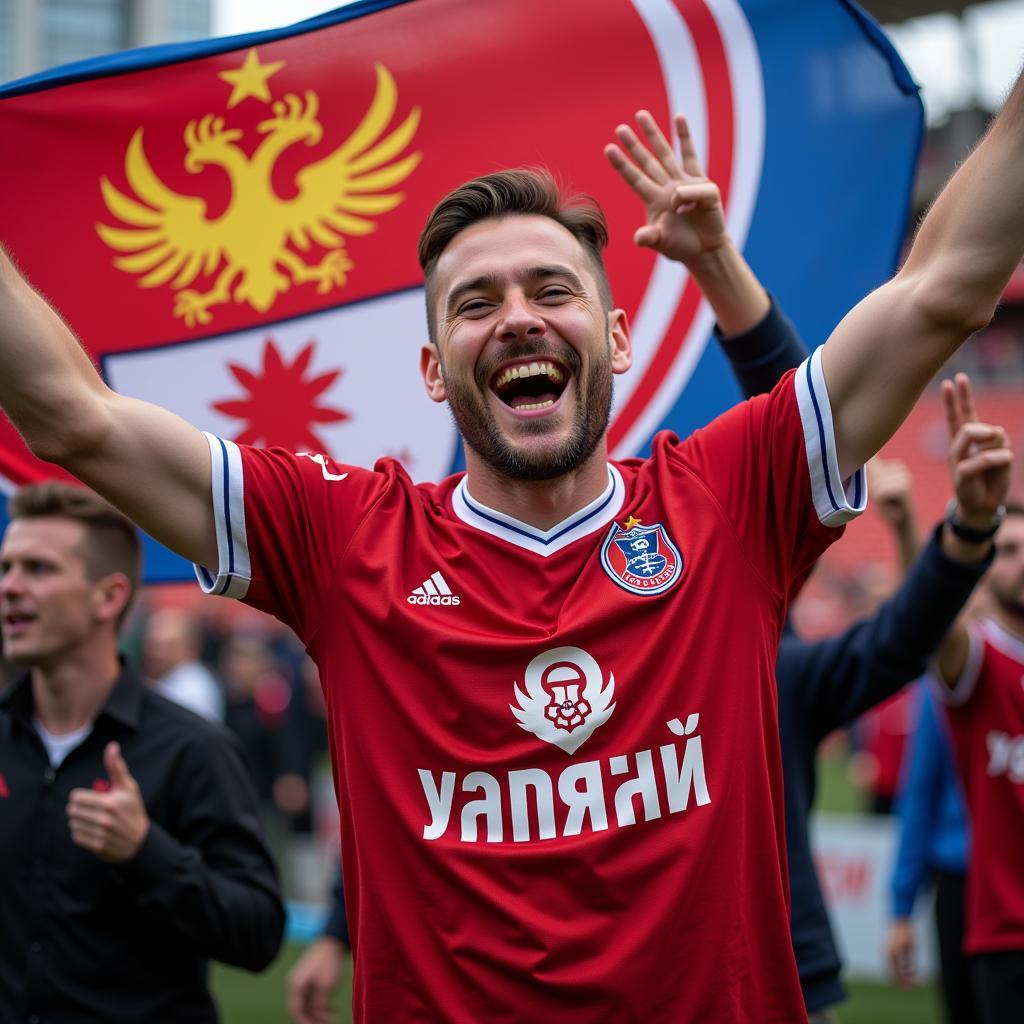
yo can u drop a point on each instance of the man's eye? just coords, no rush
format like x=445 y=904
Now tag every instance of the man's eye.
x=474 y=306
x=554 y=294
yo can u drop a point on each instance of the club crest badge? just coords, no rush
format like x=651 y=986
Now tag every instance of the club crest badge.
x=641 y=559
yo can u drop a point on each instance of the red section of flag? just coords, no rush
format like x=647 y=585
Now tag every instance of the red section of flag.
x=494 y=91
x=168 y=191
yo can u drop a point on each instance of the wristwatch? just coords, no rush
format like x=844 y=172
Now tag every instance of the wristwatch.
x=971 y=534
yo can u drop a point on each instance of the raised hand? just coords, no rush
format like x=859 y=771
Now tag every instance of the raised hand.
x=889 y=483
x=112 y=823
x=685 y=219
x=980 y=459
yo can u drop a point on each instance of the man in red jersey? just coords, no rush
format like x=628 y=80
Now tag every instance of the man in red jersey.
x=982 y=667
x=560 y=793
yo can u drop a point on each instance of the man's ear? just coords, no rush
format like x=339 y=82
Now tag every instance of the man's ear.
x=620 y=341
x=112 y=595
x=430 y=367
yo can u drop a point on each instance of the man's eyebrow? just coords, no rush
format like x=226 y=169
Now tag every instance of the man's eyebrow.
x=474 y=284
x=486 y=281
x=554 y=270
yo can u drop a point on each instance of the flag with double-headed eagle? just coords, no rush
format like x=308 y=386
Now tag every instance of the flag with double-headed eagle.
x=230 y=225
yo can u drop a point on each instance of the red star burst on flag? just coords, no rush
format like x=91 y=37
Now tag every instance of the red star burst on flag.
x=281 y=404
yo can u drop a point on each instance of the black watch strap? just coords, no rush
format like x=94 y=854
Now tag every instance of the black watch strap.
x=971 y=534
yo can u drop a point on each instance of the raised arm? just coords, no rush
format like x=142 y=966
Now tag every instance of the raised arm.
x=888 y=347
x=889 y=481
x=152 y=465
x=842 y=676
x=685 y=222
x=977 y=511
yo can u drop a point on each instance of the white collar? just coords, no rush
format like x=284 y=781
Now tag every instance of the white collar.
x=592 y=517
x=1007 y=642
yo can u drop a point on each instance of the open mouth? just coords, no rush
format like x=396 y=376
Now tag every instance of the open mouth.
x=15 y=621
x=530 y=387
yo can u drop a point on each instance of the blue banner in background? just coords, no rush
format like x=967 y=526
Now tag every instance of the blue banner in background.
x=802 y=113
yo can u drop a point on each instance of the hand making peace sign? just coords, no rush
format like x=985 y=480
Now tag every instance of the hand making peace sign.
x=980 y=459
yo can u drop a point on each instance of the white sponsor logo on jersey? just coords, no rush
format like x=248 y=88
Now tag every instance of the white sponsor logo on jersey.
x=433 y=590
x=566 y=697
x=1005 y=755
x=589 y=796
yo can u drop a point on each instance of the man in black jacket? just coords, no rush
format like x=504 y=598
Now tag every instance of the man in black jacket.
x=132 y=847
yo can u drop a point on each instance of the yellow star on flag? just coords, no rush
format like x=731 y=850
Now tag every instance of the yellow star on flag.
x=630 y=523
x=250 y=79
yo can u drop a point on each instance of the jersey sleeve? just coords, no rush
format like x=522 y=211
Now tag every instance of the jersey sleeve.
x=283 y=524
x=772 y=465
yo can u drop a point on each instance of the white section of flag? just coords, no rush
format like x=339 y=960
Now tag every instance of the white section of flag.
x=375 y=344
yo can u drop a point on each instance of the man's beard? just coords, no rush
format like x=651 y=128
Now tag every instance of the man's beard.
x=479 y=428
x=1009 y=600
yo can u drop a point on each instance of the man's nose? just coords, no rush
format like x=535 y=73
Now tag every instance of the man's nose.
x=518 y=319
x=10 y=582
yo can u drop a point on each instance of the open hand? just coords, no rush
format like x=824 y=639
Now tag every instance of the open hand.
x=685 y=219
x=980 y=459
x=112 y=823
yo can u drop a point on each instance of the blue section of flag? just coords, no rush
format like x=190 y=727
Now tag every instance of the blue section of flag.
x=820 y=245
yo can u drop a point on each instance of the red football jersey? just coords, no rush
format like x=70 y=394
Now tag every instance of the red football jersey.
x=556 y=752
x=986 y=717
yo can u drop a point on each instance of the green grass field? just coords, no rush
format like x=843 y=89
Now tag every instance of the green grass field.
x=249 y=999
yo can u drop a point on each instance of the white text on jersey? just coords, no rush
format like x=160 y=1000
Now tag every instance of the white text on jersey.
x=589 y=797
x=1005 y=755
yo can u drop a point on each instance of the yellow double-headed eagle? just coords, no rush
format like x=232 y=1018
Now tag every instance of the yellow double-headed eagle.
x=256 y=246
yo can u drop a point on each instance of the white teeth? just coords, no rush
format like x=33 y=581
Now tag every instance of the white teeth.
x=537 y=405
x=530 y=370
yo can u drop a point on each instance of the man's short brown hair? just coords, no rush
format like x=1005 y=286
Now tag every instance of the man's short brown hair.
x=111 y=543
x=519 y=192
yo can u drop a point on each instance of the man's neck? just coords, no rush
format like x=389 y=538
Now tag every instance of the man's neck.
x=69 y=695
x=539 y=503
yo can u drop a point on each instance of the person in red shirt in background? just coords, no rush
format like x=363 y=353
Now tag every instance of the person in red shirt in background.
x=981 y=666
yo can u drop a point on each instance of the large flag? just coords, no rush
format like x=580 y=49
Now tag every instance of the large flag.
x=230 y=225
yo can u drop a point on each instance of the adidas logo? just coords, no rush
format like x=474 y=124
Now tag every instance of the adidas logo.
x=433 y=590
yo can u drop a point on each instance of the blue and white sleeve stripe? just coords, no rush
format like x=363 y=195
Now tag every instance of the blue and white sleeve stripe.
x=233 y=569
x=836 y=501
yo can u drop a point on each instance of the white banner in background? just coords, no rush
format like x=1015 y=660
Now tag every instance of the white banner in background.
x=855 y=856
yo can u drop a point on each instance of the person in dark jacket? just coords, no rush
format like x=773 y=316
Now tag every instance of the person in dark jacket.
x=825 y=685
x=132 y=848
